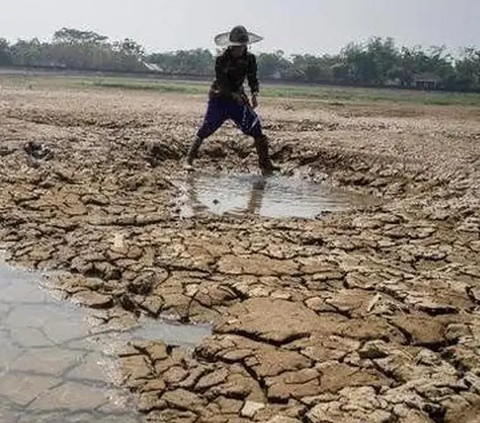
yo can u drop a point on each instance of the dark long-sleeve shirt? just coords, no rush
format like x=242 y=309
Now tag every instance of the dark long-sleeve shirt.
x=230 y=74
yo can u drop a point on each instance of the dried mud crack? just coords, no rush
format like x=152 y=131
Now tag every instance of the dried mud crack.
x=371 y=314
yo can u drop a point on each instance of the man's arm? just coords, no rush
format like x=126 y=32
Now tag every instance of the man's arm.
x=253 y=79
x=252 y=74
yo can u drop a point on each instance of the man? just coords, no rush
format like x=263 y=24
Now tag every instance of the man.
x=227 y=98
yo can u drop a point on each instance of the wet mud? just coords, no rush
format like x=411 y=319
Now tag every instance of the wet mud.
x=369 y=313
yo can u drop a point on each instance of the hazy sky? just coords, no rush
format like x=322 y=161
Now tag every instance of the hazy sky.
x=314 y=26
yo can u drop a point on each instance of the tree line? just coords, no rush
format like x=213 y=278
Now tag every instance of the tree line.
x=378 y=62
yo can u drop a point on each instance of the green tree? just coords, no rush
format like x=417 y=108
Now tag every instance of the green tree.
x=27 y=52
x=373 y=63
x=275 y=65
x=198 y=62
x=467 y=75
x=377 y=62
x=5 y=52
x=128 y=55
x=313 y=68
x=75 y=36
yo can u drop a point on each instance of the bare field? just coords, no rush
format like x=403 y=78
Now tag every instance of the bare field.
x=367 y=315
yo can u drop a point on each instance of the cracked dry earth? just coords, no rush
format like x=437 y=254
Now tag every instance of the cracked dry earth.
x=367 y=315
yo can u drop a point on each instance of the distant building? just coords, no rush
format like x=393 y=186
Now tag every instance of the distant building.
x=426 y=81
x=395 y=83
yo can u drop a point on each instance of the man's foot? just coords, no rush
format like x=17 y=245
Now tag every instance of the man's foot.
x=269 y=169
x=264 y=161
x=193 y=152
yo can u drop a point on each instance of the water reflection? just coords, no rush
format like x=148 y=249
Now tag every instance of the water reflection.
x=249 y=194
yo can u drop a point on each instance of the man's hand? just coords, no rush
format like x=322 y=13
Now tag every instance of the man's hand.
x=254 y=101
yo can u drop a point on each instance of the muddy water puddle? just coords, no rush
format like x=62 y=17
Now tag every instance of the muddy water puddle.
x=171 y=333
x=53 y=367
x=250 y=194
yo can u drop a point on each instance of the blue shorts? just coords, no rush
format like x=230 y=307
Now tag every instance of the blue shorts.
x=221 y=109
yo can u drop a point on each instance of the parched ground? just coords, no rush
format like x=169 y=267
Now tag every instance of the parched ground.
x=370 y=315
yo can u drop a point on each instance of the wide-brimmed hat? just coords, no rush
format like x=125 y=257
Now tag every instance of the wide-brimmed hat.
x=238 y=36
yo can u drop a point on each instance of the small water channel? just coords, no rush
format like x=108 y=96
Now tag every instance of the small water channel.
x=53 y=367
x=243 y=194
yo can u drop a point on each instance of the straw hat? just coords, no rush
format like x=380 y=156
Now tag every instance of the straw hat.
x=238 y=36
